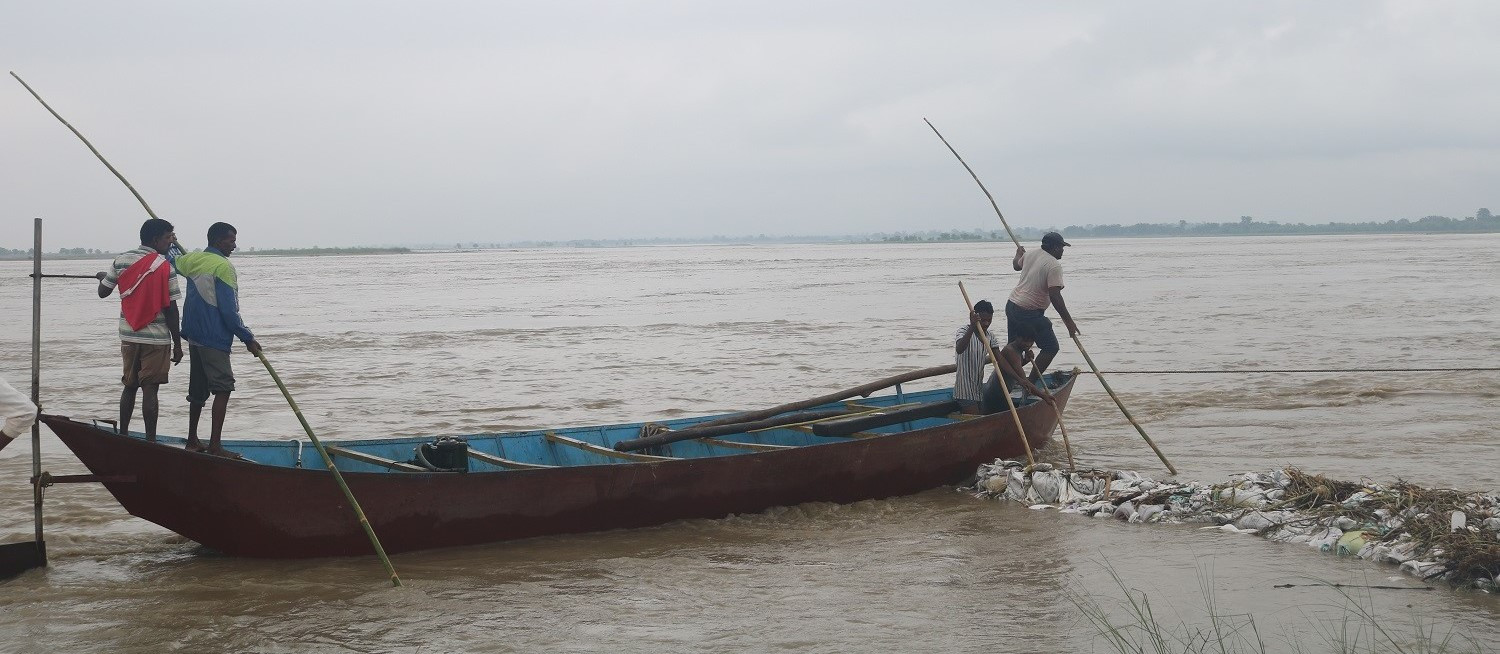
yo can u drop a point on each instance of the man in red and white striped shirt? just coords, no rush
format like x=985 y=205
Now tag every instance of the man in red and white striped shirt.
x=150 y=343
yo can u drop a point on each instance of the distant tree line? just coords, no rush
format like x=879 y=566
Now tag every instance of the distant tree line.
x=60 y=253
x=1482 y=221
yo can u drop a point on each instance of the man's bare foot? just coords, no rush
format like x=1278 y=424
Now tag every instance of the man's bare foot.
x=195 y=446
x=220 y=451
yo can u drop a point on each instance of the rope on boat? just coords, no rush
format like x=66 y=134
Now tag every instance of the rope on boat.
x=1256 y=371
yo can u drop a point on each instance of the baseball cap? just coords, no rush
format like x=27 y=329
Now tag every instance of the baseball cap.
x=1054 y=238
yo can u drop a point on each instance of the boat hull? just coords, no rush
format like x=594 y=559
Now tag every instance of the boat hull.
x=247 y=509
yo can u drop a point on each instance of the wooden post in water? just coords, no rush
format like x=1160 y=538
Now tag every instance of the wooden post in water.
x=337 y=477
x=1004 y=388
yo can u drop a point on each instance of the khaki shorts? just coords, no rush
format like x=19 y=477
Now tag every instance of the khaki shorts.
x=145 y=365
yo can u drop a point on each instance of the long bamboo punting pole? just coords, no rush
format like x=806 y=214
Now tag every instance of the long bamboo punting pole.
x=1075 y=336
x=337 y=476
x=861 y=390
x=85 y=142
x=1120 y=404
x=999 y=374
x=1067 y=447
x=975 y=180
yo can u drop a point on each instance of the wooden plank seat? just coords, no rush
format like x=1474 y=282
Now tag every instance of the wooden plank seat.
x=503 y=462
x=848 y=426
x=352 y=455
x=605 y=451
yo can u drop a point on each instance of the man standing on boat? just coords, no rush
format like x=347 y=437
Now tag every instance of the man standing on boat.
x=17 y=411
x=150 y=343
x=1041 y=285
x=211 y=321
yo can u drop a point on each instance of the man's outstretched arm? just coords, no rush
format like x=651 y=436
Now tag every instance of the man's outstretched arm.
x=1062 y=309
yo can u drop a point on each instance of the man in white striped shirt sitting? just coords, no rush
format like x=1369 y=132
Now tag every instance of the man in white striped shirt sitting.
x=968 y=386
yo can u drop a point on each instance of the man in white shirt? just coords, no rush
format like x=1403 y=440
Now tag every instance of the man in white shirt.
x=1040 y=286
x=17 y=411
x=971 y=355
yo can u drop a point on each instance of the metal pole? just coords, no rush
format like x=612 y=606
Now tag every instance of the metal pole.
x=36 y=386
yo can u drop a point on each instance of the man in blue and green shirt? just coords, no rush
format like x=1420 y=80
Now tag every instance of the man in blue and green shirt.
x=210 y=323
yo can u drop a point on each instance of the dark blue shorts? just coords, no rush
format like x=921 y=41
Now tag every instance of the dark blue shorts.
x=1032 y=323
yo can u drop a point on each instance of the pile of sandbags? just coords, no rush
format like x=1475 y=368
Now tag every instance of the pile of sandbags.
x=1433 y=534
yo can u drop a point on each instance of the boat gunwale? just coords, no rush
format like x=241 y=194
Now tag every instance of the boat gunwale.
x=1000 y=418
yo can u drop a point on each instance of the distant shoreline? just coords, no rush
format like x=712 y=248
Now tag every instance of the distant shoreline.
x=1481 y=223
x=71 y=254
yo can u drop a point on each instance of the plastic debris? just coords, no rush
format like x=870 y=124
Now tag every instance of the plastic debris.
x=1433 y=534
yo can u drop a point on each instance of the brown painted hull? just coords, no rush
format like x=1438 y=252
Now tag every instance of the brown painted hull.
x=248 y=509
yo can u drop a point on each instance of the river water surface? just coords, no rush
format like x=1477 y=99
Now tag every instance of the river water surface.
x=455 y=343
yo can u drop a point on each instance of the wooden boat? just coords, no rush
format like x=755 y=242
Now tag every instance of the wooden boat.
x=282 y=502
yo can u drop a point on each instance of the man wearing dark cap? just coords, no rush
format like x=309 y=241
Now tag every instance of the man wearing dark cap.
x=1041 y=285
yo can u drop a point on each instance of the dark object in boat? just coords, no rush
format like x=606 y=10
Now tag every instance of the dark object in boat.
x=445 y=454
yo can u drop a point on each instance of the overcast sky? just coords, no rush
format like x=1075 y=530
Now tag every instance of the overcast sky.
x=341 y=123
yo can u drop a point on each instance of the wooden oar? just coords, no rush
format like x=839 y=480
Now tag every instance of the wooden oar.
x=328 y=461
x=1075 y=336
x=1120 y=404
x=1004 y=387
x=862 y=391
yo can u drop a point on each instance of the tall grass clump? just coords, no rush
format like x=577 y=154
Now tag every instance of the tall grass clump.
x=1132 y=624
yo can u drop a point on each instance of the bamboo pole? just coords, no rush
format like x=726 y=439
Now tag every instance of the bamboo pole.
x=1120 y=404
x=1005 y=388
x=85 y=142
x=1067 y=447
x=754 y=416
x=976 y=181
x=177 y=249
x=337 y=476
